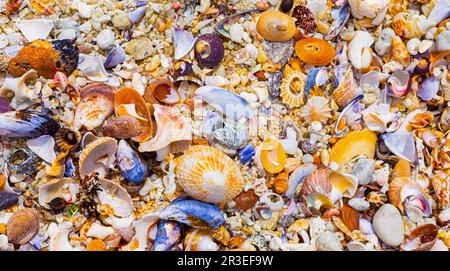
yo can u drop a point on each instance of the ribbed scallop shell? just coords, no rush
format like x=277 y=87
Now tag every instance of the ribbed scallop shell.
x=354 y=144
x=22 y=226
x=288 y=97
x=316 y=109
x=207 y=174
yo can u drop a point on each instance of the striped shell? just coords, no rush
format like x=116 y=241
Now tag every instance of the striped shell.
x=288 y=96
x=207 y=174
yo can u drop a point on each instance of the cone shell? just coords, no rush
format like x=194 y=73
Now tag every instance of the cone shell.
x=354 y=144
x=288 y=96
x=346 y=90
x=207 y=174
x=275 y=26
x=22 y=226
x=315 y=51
x=131 y=96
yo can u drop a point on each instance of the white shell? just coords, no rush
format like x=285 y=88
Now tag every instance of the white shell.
x=377 y=116
x=53 y=189
x=24 y=96
x=142 y=227
x=359 y=52
x=372 y=9
x=60 y=240
x=92 y=67
x=98 y=231
x=183 y=42
x=116 y=197
x=44 y=147
x=199 y=241
x=35 y=29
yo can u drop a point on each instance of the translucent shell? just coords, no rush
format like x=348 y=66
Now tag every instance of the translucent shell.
x=354 y=144
x=350 y=217
x=421 y=238
x=317 y=203
x=275 y=26
x=293 y=97
x=273 y=156
x=207 y=174
x=131 y=96
x=401 y=169
x=315 y=51
x=400 y=52
x=343 y=185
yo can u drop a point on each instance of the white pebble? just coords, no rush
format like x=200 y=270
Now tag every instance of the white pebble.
x=105 y=39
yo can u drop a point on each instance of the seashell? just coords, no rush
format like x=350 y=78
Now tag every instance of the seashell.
x=318 y=181
x=354 y=144
x=246 y=154
x=316 y=77
x=194 y=213
x=350 y=217
x=46 y=58
x=37 y=29
x=441 y=184
x=369 y=9
x=359 y=52
x=22 y=162
x=347 y=90
x=43 y=147
x=8 y=199
x=221 y=235
x=115 y=57
x=103 y=148
x=143 y=228
x=383 y=45
x=246 y=199
x=132 y=167
x=116 y=197
x=207 y=174
x=315 y=51
x=60 y=241
x=275 y=26
x=220 y=26
x=17 y=91
x=137 y=14
x=289 y=94
x=22 y=226
x=122 y=127
x=162 y=91
x=279 y=52
x=400 y=52
x=232 y=135
x=139 y=48
x=339 y=22
x=421 y=238
x=273 y=156
x=26 y=124
x=129 y=96
x=440 y=12
x=401 y=144
x=316 y=109
x=352 y=107
x=56 y=188
x=306 y=19
x=66 y=139
x=429 y=88
x=238 y=34
x=343 y=185
x=226 y=102
x=401 y=188
x=92 y=67
x=96 y=245
x=172 y=127
x=199 y=240
x=297 y=177
x=209 y=50
x=4 y=105
x=377 y=117
x=168 y=234
x=182 y=68
x=183 y=42
x=95 y=106
x=286 y=5
x=316 y=203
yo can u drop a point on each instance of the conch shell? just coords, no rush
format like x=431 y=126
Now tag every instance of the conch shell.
x=23 y=96
x=172 y=128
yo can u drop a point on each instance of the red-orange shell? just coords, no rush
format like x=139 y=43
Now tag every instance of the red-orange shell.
x=315 y=51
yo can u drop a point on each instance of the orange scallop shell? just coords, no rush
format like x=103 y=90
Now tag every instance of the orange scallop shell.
x=315 y=51
x=354 y=144
x=131 y=96
x=273 y=156
x=273 y=25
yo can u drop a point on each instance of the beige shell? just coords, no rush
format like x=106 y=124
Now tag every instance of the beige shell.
x=142 y=227
x=116 y=197
x=22 y=226
x=172 y=127
x=17 y=88
x=60 y=241
x=199 y=240
x=346 y=90
x=207 y=174
x=287 y=95
x=316 y=109
x=318 y=181
x=97 y=154
x=53 y=189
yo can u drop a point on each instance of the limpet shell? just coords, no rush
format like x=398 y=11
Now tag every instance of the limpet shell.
x=207 y=174
x=273 y=156
x=275 y=26
x=22 y=226
x=315 y=51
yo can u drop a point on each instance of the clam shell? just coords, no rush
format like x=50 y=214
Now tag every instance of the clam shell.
x=116 y=197
x=183 y=42
x=421 y=238
x=54 y=189
x=401 y=144
x=199 y=240
x=354 y=144
x=273 y=156
x=43 y=147
x=168 y=234
x=207 y=174
x=131 y=165
x=122 y=127
x=275 y=26
x=103 y=147
x=171 y=127
x=17 y=88
x=22 y=226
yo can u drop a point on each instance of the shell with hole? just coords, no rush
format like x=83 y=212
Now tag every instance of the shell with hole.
x=207 y=174
x=18 y=90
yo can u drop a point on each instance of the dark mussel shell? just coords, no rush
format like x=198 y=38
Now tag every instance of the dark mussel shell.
x=209 y=50
x=46 y=57
x=122 y=127
x=168 y=234
x=286 y=5
x=57 y=204
x=22 y=161
x=8 y=199
x=4 y=105
x=27 y=124
x=182 y=68
x=132 y=167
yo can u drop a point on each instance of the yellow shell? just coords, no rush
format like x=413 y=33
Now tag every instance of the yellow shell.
x=275 y=26
x=346 y=90
x=207 y=174
x=293 y=98
x=354 y=144
x=273 y=156
x=400 y=52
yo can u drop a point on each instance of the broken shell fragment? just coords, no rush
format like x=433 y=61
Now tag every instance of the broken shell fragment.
x=132 y=167
x=96 y=155
x=209 y=50
x=162 y=91
x=359 y=51
x=116 y=197
x=37 y=29
x=199 y=240
x=273 y=156
x=421 y=238
x=18 y=91
x=183 y=42
x=27 y=124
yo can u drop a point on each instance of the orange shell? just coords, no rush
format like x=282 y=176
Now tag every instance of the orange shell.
x=131 y=96
x=350 y=217
x=161 y=91
x=346 y=90
x=22 y=226
x=275 y=26
x=400 y=52
x=354 y=144
x=281 y=183
x=401 y=169
x=96 y=245
x=318 y=181
x=209 y=175
x=315 y=51
x=273 y=156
